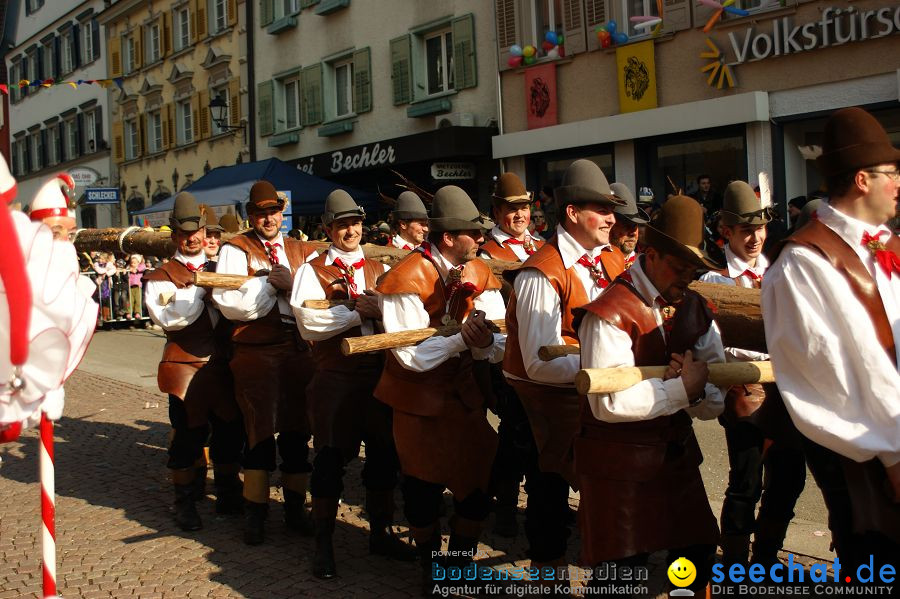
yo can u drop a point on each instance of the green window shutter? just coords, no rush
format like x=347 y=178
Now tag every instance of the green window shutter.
x=266 y=12
x=362 y=81
x=308 y=3
x=401 y=69
x=464 y=52
x=265 y=93
x=311 y=107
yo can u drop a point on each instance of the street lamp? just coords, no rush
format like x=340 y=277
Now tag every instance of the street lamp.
x=218 y=107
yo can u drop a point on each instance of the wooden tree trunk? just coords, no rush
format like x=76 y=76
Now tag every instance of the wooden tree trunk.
x=610 y=380
x=370 y=343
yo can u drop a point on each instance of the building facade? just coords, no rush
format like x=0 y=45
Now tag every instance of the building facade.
x=659 y=109
x=55 y=127
x=350 y=91
x=172 y=59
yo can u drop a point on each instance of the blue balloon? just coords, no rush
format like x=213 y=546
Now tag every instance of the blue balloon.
x=621 y=38
x=551 y=37
x=611 y=27
x=515 y=50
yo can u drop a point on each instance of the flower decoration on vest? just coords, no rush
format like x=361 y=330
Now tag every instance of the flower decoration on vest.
x=630 y=261
x=457 y=291
x=668 y=314
x=348 y=273
x=885 y=258
x=527 y=244
x=272 y=252
x=596 y=270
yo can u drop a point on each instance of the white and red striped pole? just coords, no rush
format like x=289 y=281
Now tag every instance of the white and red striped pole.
x=48 y=507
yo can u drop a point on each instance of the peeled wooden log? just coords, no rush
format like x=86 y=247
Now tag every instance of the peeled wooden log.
x=369 y=343
x=610 y=380
x=551 y=352
x=326 y=304
x=129 y=241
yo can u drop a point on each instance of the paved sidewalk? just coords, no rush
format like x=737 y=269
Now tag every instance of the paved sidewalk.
x=115 y=536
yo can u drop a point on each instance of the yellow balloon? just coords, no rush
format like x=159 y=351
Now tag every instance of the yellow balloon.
x=528 y=50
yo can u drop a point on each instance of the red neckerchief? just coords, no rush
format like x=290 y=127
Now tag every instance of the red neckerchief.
x=666 y=309
x=528 y=244
x=348 y=273
x=193 y=268
x=885 y=258
x=595 y=269
x=454 y=284
x=273 y=254
x=630 y=261
x=408 y=247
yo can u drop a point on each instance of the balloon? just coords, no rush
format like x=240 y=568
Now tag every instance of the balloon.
x=600 y=28
x=560 y=39
x=547 y=46
x=528 y=51
x=606 y=42
x=514 y=61
x=551 y=37
x=554 y=53
x=611 y=27
x=530 y=59
x=621 y=38
x=603 y=35
x=561 y=50
x=515 y=50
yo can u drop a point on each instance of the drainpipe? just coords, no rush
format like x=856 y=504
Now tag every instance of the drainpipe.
x=499 y=89
x=251 y=82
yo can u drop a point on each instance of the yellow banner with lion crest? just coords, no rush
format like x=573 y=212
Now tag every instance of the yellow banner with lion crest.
x=636 y=72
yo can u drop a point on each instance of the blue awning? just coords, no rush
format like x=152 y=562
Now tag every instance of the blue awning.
x=230 y=186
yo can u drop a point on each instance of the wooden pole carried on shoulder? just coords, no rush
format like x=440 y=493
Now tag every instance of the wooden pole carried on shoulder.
x=610 y=380
x=369 y=343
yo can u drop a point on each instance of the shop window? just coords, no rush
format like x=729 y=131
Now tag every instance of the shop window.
x=182 y=28
x=185 y=122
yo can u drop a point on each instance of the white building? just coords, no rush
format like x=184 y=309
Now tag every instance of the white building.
x=349 y=90
x=60 y=127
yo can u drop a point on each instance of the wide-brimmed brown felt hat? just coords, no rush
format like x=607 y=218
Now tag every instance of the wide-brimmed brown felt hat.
x=854 y=139
x=584 y=183
x=677 y=229
x=264 y=196
x=741 y=206
x=186 y=215
x=510 y=189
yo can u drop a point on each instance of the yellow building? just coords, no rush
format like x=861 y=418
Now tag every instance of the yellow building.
x=174 y=57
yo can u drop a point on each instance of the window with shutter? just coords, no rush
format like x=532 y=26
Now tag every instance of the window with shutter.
x=265 y=97
x=464 y=64
x=401 y=71
x=202 y=24
x=203 y=103
x=118 y=142
x=232 y=13
x=507 y=19
x=595 y=13
x=362 y=81
x=266 y=12
x=195 y=116
x=234 y=102
x=573 y=26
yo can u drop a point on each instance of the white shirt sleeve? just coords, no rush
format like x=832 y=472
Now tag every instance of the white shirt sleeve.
x=186 y=306
x=539 y=316
x=840 y=387
x=254 y=299
x=404 y=312
x=314 y=324
x=606 y=346
x=491 y=303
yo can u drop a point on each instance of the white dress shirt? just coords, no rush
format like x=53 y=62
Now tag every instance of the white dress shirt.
x=187 y=304
x=736 y=268
x=840 y=387
x=255 y=298
x=517 y=248
x=400 y=243
x=539 y=314
x=315 y=324
x=604 y=345
x=405 y=311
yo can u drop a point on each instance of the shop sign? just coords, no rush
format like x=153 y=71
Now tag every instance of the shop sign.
x=452 y=170
x=837 y=26
x=101 y=195
x=84 y=176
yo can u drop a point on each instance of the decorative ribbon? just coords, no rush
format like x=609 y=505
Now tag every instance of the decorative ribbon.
x=886 y=259
x=348 y=272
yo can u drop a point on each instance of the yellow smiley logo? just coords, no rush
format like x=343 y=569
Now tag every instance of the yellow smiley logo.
x=682 y=572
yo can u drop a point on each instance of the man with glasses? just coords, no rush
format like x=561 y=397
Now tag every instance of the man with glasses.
x=831 y=308
x=636 y=456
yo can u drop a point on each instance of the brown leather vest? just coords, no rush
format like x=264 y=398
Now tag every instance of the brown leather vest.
x=623 y=307
x=195 y=342
x=423 y=393
x=571 y=293
x=269 y=328
x=500 y=251
x=823 y=240
x=327 y=352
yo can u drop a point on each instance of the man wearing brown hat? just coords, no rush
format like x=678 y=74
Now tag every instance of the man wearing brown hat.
x=636 y=456
x=510 y=240
x=831 y=308
x=271 y=363
x=629 y=218
x=570 y=270
x=197 y=397
x=743 y=219
x=409 y=221
x=442 y=434
x=214 y=232
x=342 y=408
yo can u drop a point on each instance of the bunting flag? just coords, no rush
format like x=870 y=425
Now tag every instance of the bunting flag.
x=104 y=83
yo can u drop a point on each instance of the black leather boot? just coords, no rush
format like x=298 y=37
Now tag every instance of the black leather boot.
x=324 y=514
x=255 y=522
x=228 y=489
x=296 y=516
x=186 y=516
x=506 y=509
x=382 y=538
x=428 y=544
